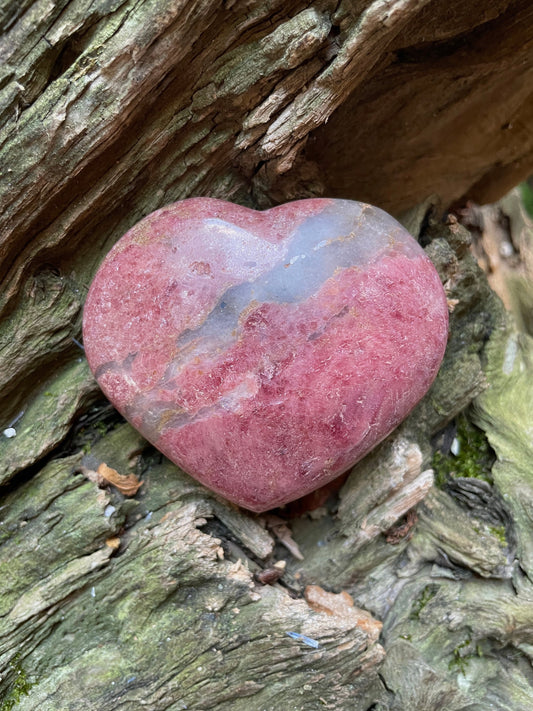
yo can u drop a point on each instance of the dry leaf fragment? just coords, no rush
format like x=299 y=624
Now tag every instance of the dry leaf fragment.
x=402 y=530
x=452 y=303
x=127 y=484
x=268 y=576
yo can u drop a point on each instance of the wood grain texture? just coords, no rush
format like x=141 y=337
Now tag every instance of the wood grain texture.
x=110 y=109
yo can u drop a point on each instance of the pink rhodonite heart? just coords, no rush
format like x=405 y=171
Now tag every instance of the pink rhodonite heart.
x=265 y=352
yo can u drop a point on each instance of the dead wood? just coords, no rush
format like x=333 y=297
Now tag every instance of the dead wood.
x=110 y=109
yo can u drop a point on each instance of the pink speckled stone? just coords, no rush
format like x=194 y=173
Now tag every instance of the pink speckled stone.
x=265 y=352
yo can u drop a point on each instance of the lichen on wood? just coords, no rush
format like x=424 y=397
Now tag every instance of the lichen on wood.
x=111 y=109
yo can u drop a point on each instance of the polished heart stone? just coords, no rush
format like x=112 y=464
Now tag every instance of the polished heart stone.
x=265 y=352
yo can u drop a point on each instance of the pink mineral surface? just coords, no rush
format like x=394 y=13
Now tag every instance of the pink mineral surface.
x=265 y=352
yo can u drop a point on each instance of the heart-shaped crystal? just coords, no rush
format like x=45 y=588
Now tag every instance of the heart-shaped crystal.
x=265 y=352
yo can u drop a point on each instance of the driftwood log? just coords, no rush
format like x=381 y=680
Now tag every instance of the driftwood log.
x=411 y=588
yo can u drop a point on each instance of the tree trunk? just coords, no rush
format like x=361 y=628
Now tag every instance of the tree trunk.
x=110 y=109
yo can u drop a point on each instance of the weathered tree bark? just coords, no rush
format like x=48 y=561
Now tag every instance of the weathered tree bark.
x=110 y=109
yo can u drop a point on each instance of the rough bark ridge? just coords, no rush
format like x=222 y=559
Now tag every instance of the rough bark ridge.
x=110 y=109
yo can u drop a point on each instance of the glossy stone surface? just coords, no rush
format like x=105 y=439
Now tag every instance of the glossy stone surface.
x=265 y=352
